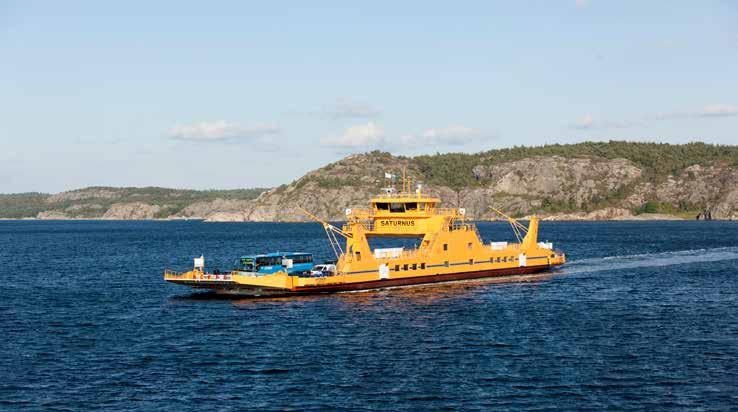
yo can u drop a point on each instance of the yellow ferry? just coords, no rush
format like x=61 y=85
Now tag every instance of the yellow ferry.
x=450 y=249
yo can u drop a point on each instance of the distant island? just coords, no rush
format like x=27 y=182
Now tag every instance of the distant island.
x=613 y=180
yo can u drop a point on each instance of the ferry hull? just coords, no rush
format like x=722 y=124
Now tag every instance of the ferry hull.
x=230 y=288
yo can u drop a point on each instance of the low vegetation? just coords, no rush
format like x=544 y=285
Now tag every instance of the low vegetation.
x=94 y=201
x=658 y=160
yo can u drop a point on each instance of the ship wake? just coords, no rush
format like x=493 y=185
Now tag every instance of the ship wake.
x=678 y=257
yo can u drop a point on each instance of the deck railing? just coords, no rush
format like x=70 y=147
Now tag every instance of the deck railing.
x=173 y=273
x=403 y=195
x=197 y=275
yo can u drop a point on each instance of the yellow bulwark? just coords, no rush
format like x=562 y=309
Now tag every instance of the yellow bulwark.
x=449 y=249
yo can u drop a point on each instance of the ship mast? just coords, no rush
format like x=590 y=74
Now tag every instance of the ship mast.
x=330 y=231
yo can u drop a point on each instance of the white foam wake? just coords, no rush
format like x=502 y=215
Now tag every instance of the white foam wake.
x=678 y=257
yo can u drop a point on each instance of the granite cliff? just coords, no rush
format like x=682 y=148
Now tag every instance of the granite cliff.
x=587 y=181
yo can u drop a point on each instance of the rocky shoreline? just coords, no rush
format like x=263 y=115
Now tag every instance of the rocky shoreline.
x=553 y=187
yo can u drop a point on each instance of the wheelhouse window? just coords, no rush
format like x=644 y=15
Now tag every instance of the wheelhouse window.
x=382 y=206
x=397 y=208
x=411 y=206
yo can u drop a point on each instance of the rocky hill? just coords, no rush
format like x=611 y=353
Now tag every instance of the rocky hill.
x=116 y=203
x=579 y=187
x=586 y=181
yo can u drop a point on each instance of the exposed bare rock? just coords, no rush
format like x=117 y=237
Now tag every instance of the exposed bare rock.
x=81 y=194
x=227 y=217
x=518 y=187
x=726 y=207
x=131 y=211
x=52 y=215
x=82 y=207
x=202 y=210
x=574 y=180
x=652 y=216
x=609 y=213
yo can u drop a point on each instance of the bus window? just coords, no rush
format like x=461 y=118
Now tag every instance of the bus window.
x=245 y=264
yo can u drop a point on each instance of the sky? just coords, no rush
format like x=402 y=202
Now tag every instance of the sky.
x=253 y=94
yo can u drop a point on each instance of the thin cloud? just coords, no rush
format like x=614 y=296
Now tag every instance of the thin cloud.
x=348 y=109
x=372 y=136
x=221 y=130
x=364 y=136
x=584 y=122
x=589 y=122
x=718 y=109
x=711 y=110
x=455 y=135
x=342 y=109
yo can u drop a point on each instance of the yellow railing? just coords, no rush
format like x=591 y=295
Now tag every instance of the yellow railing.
x=196 y=275
x=404 y=195
x=173 y=273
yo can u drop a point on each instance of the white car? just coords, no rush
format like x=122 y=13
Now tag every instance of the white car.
x=323 y=270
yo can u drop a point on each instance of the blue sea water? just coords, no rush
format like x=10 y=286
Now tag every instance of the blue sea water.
x=644 y=316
